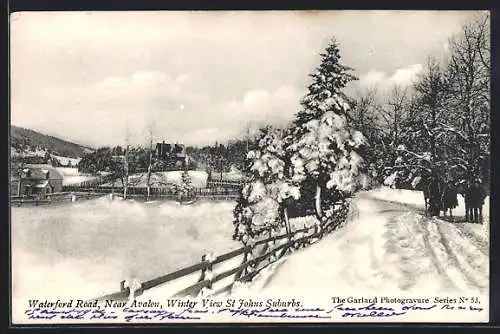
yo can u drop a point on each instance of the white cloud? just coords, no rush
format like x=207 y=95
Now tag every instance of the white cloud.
x=405 y=76
x=372 y=78
x=401 y=77
x=229 y=119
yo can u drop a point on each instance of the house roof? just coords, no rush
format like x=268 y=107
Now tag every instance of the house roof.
x=37 y=171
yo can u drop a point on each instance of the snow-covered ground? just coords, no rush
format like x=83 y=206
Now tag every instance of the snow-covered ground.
x=68 y=171
x=65 y=160
x=387 y=247
x=88 y=247
x=233 y=175
x=198 y=179
x=41 y=153
x=34 y=153
x=72 y=176
x=415 y=200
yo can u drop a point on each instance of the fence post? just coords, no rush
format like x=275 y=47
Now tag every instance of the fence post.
x=206 y=272
x=243 y=270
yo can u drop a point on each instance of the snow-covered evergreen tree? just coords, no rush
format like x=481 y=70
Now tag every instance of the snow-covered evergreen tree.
x=262 y=199
x=323 y=145
x=185 y=188
x=319 y=149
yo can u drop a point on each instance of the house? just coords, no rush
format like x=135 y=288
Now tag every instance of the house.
x=36 y=180
x=177 y=152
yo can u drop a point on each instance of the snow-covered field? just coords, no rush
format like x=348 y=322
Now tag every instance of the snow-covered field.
x=41 y=153
x=88 y=247
x=233 y=175
x=68 y=171
x=198 y=178
x=72 y=176
x=65 y=160
x=35 y=153
x=386 y=247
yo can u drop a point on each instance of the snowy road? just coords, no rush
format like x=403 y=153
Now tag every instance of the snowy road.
x=389 y=247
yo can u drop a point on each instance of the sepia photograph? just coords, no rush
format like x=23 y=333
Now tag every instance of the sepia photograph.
x=249 y=166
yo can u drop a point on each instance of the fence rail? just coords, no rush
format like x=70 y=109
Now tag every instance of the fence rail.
x=70 y=195
x=240 y=270
x=62 y=197
x=157 y=192
x=225 y=184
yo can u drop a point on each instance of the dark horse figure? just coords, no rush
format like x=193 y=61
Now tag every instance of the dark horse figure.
x=433 y=192
x=439 y=196
x=449 y=198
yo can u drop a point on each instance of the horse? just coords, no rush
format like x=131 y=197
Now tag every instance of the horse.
x=423 y=186
x=449 y=198
x=474 y=200
x=433 y=197
x=439 y=196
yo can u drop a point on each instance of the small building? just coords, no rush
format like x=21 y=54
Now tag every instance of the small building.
x=36 y=180
x=176 y=152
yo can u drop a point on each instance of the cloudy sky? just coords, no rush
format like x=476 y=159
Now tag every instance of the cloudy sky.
x=92 y=77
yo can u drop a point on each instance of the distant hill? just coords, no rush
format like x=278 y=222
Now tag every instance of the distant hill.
x=29 y=141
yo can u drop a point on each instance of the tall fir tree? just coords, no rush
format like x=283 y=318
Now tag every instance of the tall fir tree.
x=315 y=157
x=323 y=146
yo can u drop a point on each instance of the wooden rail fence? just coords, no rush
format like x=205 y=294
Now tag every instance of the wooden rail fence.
x=244 y=272
x=61 y=197
x=159 y=192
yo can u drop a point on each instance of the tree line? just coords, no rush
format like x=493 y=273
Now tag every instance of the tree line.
x=435 y=133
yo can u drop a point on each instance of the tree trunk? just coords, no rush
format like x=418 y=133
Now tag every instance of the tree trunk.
x=149 y=176
x=287 y=222
x=148 y=184
x=125 y=184
x=317 y=202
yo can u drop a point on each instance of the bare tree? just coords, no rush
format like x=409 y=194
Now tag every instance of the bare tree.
x=125 y=164
x=420 y=143
x=148 y=181
x=393 y=114
x=365 y=115
x=469 y=76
